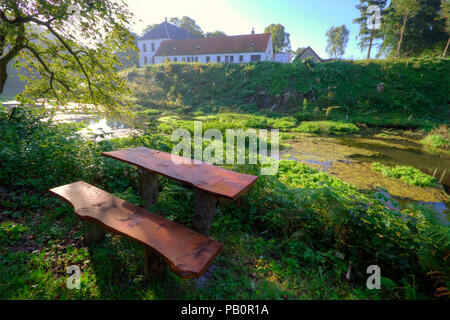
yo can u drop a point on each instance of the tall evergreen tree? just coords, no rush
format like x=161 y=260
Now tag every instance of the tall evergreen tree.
x=367 y=36
x=445 y=15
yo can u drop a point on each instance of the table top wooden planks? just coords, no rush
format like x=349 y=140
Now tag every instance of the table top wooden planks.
x=187 y=252
x=212 y=179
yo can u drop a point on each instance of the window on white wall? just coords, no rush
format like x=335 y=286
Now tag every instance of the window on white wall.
x=218 y=58
x=231 y=58
x=175 y=59
x=145 y=60
x=208 y=59
x=144 y=47
x=241 y=58
x=196 y=59
x=227 y=58
x=153 y=47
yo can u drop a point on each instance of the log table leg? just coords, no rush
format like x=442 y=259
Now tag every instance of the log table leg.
x=204 y=207
x=148 y=188
x=154 y=265
x=148 y=191
x=93 y=233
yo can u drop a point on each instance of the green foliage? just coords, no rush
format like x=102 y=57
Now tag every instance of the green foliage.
x=438 y=138
x=60 y=66
x=423 y=30
x=327 y=127
x=300 y=229
x=337 y=38
x=188 y=24
x=410 y=175
x=436 y=141
x=368 y=37
x=415 y=90
x=280 y=38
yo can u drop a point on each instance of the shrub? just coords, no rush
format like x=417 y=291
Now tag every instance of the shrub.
x=438 y=138
x=410 y=175
x=328 y=127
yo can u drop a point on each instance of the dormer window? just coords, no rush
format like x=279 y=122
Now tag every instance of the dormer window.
x=252 y=44
x=198 y=47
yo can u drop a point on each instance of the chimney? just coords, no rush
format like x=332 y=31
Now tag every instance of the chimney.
x=253 y=30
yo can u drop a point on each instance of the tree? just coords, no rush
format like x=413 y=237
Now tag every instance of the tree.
x=68 y=46
x=130 y=57
x=188 y=24
x=149 y=27
x=445 y=14
x=424 y=33
x=406 y=9
x=337 y=41
x=216 y=33
x=280 y=38
x=368 y=36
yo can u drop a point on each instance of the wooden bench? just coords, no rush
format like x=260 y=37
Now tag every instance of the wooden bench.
x=210 y=182
x=187 y=252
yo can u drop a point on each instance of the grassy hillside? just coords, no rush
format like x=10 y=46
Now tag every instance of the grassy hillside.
x=416 y=90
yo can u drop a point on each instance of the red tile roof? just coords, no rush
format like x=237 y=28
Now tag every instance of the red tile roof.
x=213 y=45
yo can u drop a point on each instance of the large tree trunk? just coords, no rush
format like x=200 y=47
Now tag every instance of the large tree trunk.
x=402 y=31
x=446 y=48
x=370 y=45
x=3 y=77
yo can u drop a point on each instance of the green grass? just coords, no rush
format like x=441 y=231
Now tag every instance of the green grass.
x=327 y=127
x=343 y=90
x=410 y=175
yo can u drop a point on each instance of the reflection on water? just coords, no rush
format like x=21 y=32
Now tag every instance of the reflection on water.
x=443 y=213
x=409 y=153
x=105 y=126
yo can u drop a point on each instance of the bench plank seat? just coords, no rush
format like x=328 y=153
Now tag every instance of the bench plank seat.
x=187 y=252
x=214 y=180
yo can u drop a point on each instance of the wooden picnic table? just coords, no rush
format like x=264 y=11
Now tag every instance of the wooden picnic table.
x=210 y=182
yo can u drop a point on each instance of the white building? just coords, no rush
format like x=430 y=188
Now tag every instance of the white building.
x=282 y=57
x=170 y=43
x=150 y=42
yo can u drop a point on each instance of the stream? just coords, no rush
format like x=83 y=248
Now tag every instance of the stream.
x=350 y=158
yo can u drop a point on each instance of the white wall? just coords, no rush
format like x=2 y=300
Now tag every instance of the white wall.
x=265 y=56
x=213 y=57
x=149 y=53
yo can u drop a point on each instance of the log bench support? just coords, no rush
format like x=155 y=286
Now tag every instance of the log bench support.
x=93 y=233
x=187 y=253
x=204 y=208
x=148 y=187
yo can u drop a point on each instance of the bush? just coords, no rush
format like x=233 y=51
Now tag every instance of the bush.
x=438 y=138
x=327 y=127
x=410 y=175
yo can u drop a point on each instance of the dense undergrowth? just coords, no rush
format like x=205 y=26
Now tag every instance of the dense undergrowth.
x=293 y=236
x=416 y=91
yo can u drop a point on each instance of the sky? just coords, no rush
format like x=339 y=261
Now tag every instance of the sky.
x=305 y=20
